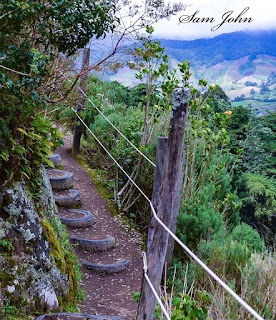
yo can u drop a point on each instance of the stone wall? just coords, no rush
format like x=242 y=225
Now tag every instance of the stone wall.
x=36 y=268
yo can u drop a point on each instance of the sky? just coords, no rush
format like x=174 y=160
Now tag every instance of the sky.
x=261 y=12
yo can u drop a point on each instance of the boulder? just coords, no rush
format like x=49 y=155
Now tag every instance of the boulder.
x=36 y=273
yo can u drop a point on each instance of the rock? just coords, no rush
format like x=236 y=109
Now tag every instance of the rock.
x=49 y=299
x=34 y=272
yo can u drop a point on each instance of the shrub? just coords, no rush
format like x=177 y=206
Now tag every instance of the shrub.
x=245 y=234
x=226 y=257
x=198 y=219
x=257 y=289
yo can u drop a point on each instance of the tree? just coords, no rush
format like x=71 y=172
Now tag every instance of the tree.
x=153 y=66
x=217 y=99
x=254 y=157
x=133 y=18
x=259 y=203
x=268 y=138
x=264 y=88
x=138 y=94
x=32 y=35
x=239 y=121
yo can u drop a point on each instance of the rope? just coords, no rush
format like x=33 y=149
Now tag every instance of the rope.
x=120 y=167
x=152 y=287
x=201 y=263
x=208 y=270
x=141 y=153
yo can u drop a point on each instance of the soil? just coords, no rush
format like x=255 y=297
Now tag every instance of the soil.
x=110 y=294
x=54 y=174
x=61 y=193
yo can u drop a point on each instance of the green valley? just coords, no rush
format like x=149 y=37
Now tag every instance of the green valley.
x=243 y=64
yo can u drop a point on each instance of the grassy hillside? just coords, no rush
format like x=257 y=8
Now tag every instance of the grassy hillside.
x=243 y=64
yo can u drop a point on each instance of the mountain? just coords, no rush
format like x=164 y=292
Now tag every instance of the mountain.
x=242 y=63
x=229 y=46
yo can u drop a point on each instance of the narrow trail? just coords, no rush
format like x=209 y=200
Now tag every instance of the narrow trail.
x=110 y=294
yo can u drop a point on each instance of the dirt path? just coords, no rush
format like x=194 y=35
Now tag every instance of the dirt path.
x=110 y=294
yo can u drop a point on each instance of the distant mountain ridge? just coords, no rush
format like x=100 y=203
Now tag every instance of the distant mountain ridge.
x=231 y=46
x=242 y=63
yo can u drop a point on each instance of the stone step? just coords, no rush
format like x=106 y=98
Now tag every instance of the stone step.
x=73 y=199
x=56 y=159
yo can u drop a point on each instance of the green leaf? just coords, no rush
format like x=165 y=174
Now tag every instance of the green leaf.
x=176 y=301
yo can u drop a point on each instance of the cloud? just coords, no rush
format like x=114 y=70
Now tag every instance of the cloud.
x=261 y=12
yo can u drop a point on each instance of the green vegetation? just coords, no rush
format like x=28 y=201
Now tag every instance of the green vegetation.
x=226 y=215
x=183 y=307
x=245 y=72
x=243 y=233
x=64 y=258
x=227 y=212
x=32 y=36
x=27 y=64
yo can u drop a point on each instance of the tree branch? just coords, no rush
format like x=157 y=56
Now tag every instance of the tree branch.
x=87 y=70
x=14 y=71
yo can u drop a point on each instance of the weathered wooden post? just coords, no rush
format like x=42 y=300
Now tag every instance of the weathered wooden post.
x=166 y=199
x=83 y=80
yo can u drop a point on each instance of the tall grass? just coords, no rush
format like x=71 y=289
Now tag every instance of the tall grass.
x=257 y=287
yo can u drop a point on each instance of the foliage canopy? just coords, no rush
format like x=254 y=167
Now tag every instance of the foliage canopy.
x=32 y=34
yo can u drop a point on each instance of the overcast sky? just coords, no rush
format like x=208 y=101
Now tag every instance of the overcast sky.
x=262 y=13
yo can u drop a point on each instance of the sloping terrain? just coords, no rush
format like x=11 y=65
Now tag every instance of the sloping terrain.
x=243 y=64
x=109 y=294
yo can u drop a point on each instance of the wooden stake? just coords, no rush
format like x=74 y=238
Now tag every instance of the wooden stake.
x=78 y=126
x=166 y=199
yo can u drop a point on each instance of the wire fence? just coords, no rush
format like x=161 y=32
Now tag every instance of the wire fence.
x=190 y=253
x=88 y=99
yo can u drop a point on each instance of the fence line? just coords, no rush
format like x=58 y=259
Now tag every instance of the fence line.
x=139 y=151
x=201 y=263
x=152 y=287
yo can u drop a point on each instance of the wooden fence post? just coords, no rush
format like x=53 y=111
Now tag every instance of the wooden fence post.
x=78 y=126
x=166 y=199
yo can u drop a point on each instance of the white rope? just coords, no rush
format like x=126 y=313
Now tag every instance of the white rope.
x=202 y=264
x=152 y=287
x=120 y=167
x=141 y=153
x=208 y=270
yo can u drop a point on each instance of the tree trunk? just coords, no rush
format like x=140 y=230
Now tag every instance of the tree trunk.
x=146 y=118
x=78 y=125
x=166 y=200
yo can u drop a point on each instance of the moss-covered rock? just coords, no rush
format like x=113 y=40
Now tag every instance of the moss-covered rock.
x=37 y=270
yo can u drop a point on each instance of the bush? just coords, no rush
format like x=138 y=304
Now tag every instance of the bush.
x=246 y=235
x=129 y=120
x=255 y=283
x=257 y=289
x=198 y=219
x=226 y=257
